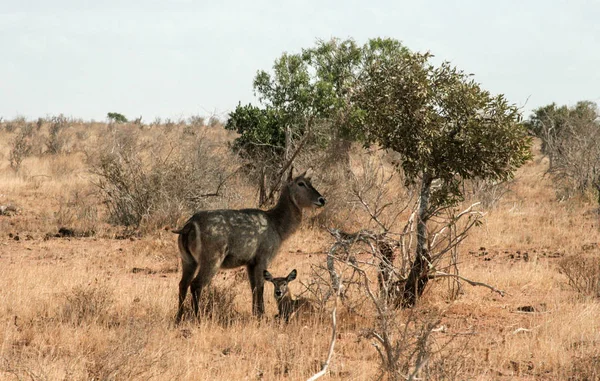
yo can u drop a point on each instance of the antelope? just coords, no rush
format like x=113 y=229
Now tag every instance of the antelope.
x=226 y=239
x=286 y=304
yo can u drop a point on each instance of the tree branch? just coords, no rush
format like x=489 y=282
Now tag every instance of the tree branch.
x=441 y=274
x=331 y=344
x=291 y=159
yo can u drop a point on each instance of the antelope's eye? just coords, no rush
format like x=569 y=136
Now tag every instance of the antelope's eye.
x=301 y=183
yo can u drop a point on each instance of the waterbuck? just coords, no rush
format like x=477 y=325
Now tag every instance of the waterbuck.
x=286 y=304
x=215 y=239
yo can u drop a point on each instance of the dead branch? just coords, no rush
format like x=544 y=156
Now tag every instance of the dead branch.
x=290 y=161
x=331 y=344
x=335 y=285
x=441 y=274
x=216 y=193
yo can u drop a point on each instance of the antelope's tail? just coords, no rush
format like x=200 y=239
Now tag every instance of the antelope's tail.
x=187 y=235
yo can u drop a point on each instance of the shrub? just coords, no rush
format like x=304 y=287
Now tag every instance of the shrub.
x=151 y=184
x=115 y=117
x=78 y=212
x=583 y=274
x=21 y=147
x=196 y=121
x=57 y=138
x=571 y=140
x=16 y=123
x=86 y=304
x=213 y=121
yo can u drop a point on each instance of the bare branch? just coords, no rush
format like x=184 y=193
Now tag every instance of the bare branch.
x=331 y=345
x=222 y=181
x=290 y=161
x=441 y=274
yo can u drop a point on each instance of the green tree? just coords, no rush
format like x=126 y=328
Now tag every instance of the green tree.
x=115 y=117
x=261 y=142
x=259 y=131
x=305 y=98
x=547 y=123
x=446 y=130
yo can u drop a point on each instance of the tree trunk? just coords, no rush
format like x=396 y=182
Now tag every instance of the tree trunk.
x=262 y=187
x=386 y=263
x=288 y=151
x=417 y=277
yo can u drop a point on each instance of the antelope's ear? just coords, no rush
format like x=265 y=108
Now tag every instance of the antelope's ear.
x=291 y=276
x=290 y=177
x=267 y=275
x=308 y=174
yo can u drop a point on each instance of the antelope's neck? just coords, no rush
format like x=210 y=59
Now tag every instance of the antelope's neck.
x=286 y=216
x=286 y=303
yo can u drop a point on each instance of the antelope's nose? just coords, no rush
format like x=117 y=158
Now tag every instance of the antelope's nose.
x=278 y=293
x=321 y=201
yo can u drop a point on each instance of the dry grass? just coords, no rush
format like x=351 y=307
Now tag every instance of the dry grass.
x=103 y=308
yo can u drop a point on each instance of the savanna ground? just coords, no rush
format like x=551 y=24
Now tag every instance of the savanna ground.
x=102 y=307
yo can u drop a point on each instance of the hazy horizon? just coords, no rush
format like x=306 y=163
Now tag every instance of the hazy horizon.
x=174 y=59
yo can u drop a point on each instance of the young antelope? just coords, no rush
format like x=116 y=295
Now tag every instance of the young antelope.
x=287 y=305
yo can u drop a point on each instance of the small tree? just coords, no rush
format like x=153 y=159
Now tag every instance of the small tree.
x=115 y=117
x=21 y=147
x=306 y=91
x=445 y=128
x=261 y=141
x=571 y=140
x=57 y=138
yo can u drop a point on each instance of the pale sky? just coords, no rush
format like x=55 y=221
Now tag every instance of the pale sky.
x=180 y=58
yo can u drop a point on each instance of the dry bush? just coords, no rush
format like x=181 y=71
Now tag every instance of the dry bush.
x=405 y=340
x=488 y=193
x=152 y=183
x=58 y=137
x=126 y=356
x=16 y=123
x=404 y=343
x=214 y=122
x=583 y=274
x=21 y=146
x=86 y=304
x=79 y=212
x=196 y=121
x=585 y=368
x=83 y=135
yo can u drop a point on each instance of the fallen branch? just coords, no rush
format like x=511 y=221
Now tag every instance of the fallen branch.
x=441 y=274
x=331 y=345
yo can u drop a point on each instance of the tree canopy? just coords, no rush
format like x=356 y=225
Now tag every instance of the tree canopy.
x=571 y=140
x=444 y=126
x=441 y=122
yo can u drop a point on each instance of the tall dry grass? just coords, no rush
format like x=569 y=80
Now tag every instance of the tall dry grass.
x=102 y=308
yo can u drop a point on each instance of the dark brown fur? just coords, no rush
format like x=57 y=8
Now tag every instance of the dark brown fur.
x=215 y=239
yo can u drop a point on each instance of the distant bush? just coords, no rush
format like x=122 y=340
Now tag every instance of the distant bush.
x=86 y=304
x=21 y=147
x=79 y=212
x=151 y=184
x=196 y=121
x=58 y=140
x=583 y=274
x=115 y=117
x=213 y=121
x=13 y=125
x=571 y=140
